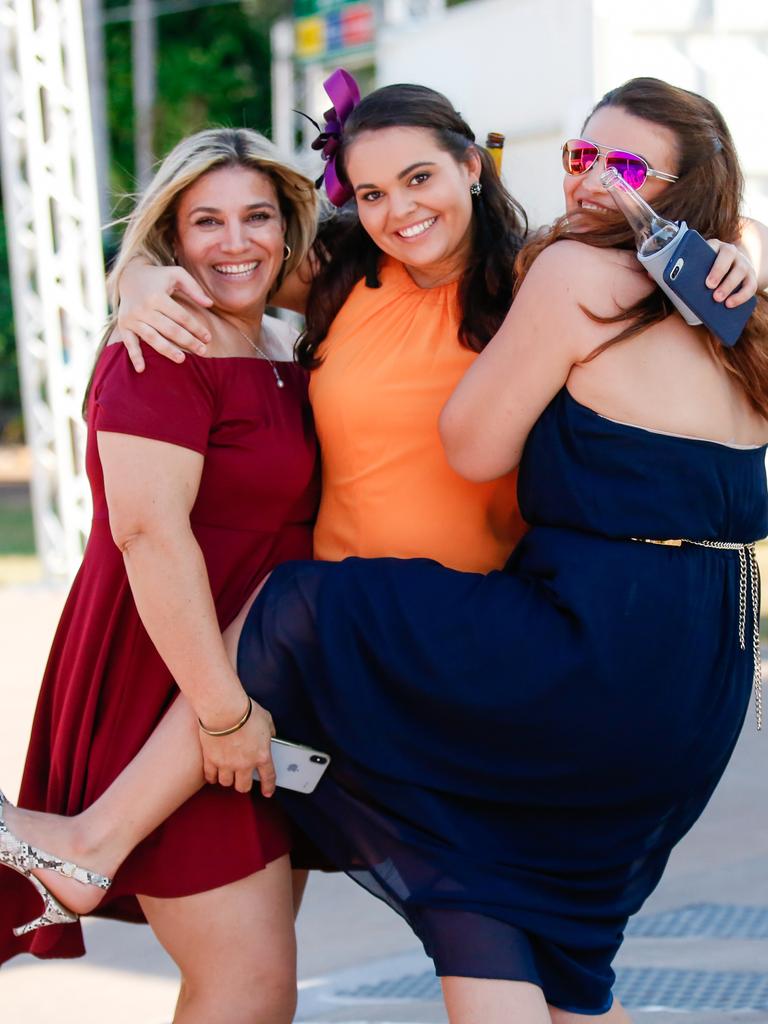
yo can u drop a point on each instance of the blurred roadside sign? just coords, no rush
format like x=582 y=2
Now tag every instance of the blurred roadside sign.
x=332 y=28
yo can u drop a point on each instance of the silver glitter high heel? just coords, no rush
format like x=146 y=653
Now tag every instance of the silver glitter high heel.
x=24 y=858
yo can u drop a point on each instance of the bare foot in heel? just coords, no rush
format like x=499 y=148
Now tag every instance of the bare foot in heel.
x=49 y=847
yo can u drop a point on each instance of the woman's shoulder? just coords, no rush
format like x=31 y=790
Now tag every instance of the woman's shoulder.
x=114 y=373
x=603 y=280
x=583 y=260
x=167 y=401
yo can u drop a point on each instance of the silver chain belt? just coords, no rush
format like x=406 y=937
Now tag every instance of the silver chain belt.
x=749 y=580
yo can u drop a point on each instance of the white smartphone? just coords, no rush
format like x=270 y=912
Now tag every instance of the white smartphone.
x=297 y=767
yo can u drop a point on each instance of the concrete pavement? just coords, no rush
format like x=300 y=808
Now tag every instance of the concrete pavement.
x=359 y=963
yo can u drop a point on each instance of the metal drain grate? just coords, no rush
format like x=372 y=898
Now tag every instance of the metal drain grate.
x=692 y=990
x=409 y=986
x=637 y=987
x=705 y=921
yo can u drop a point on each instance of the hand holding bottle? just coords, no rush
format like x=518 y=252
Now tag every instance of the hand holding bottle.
x=679 y=260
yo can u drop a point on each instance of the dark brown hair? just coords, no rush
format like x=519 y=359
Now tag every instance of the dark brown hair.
x=707 y=195
x=348 y=254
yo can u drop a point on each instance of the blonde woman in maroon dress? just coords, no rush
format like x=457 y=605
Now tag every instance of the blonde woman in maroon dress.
x=203 y=479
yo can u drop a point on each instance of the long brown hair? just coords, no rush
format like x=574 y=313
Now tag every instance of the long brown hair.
x=708 y=195
x=348 y=254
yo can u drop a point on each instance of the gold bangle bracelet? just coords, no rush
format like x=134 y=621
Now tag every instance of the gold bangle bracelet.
x=232 y=728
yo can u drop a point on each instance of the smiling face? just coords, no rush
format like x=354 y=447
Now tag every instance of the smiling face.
x=616 y=128
x=413 y=199
x=230 y=237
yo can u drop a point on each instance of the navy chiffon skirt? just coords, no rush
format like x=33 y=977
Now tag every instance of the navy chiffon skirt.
x=515 y=755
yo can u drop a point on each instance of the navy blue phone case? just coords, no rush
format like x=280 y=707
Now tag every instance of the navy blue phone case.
x=685 y=275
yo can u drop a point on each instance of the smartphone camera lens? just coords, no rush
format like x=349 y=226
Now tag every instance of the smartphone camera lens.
x=318 y=759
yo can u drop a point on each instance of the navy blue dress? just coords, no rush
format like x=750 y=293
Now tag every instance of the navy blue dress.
x=515 y=755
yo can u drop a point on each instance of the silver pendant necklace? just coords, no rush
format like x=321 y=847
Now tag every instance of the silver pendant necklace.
x=278 y=379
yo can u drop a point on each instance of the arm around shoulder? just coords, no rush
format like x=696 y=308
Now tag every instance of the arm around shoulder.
x=147 y=311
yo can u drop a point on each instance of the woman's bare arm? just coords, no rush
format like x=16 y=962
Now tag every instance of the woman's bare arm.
x=294 y=291
x=754 y=242
x=486 y=421
x=151 y=487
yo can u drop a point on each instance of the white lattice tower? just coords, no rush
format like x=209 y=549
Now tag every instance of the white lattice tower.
x=50 y=202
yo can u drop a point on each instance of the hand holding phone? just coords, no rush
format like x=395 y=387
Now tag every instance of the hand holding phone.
x=297 y=767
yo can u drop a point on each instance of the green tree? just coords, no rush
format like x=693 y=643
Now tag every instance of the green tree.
x=213 y=68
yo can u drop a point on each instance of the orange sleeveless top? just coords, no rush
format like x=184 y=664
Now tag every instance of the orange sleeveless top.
x=390 y=361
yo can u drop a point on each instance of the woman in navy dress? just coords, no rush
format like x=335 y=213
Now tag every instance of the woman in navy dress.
x=515 y=754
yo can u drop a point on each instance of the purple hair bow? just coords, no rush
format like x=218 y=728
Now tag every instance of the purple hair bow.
x=345 y=95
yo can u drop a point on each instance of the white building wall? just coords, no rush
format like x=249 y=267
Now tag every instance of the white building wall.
x=533 y=68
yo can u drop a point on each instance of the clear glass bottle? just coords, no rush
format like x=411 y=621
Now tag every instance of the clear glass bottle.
x=652 y=231
x=656 y=237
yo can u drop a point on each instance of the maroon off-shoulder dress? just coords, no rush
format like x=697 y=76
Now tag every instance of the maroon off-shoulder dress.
x=105 y=687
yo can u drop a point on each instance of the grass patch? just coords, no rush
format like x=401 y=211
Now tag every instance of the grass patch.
x=16 y=533
x=18 y=560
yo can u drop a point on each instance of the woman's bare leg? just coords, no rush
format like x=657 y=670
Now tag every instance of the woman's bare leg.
x=487 y=1001
x=299 y=884
x=616 y=1015
x=235 y=947
x=482 y=1001
x=165 y=772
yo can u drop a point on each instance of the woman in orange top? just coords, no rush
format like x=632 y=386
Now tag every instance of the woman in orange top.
x=391 y=318
x=389 y=362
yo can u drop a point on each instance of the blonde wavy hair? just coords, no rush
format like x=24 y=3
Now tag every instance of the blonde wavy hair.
x=151 y=227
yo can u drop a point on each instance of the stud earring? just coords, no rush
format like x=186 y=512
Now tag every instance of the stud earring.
x=475 y=189
x=287 y=252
